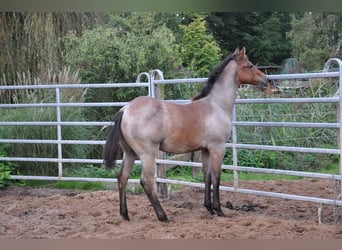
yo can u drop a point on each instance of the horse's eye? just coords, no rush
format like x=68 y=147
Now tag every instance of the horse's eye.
x=250 y=66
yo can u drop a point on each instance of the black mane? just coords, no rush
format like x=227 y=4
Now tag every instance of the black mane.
x=214 y=75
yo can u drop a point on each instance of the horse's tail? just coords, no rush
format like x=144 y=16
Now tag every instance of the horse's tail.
x=111 y=147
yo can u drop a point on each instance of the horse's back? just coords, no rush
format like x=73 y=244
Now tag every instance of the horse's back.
x=148 y=105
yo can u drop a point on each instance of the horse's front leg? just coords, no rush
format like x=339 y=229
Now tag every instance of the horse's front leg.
x=215 y=161
x=207 y=181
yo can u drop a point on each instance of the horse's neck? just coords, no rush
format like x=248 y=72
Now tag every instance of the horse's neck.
x=224 y=92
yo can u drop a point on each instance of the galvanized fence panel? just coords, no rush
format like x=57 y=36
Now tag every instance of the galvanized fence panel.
x=58 y=123
x=151 y=84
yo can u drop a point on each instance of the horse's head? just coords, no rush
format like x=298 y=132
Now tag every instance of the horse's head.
x=247 y=72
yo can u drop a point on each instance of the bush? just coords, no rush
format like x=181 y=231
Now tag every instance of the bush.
x=107 y=54
x=6 y=168
x=5 y=175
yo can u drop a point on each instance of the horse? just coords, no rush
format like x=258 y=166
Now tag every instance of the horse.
x=146 y=125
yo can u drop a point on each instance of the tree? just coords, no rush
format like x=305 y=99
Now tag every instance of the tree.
x=117 y=52
x=99 y=54
x=199 y=50
x=316 y=37
x=267 y=41
x=263 y=34
x=228 y=28
x=30 y=41
x=129 y=44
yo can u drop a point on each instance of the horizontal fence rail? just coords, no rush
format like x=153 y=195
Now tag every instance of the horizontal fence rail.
x=151 y=85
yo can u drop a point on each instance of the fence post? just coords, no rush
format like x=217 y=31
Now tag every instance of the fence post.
x=158 y=92
x=339 y=116
x=157 y=74
x=59 y=133
x=195 y=156
x=150 y=87
x=340 y=121
x=235 y=152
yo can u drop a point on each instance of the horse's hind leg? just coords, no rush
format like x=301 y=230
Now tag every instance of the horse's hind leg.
x=126 y=166
x=147 y=182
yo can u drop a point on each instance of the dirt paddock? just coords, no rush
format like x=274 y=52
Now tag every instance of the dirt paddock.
x=28 y=213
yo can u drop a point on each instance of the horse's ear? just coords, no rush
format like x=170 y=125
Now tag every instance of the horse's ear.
x=243 y=52
x=236 y=51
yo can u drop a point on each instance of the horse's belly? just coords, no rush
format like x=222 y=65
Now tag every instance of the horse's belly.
x=179 y=145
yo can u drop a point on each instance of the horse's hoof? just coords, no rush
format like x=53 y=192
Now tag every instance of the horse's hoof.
x=210 y=210
x=125 y=216
x=220 y=213
x=164 y=219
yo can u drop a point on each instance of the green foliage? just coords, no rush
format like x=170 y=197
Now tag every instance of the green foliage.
x=93 y=186
x=180 y=172
x=228 y=176
x=34 y=41
x=6 y=168
x=315 y=37
x=5 y=175
x=262 y=33
x=30 y=39
x=199 y=50
x=281 y=160
x=118 y=52
x=98 y=55
x=98 y=172
x=89 y=171
x=267 y=41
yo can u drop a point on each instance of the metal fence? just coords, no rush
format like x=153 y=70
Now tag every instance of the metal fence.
x=155 y=79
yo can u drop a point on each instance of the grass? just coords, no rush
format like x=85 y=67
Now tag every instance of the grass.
x=227 y=175
x=249 y=176
x=76 y=185
x=331 y=169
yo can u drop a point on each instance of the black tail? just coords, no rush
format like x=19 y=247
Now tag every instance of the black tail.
x=111 y=147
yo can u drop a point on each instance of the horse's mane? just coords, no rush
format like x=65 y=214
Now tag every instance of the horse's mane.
x=214 y=75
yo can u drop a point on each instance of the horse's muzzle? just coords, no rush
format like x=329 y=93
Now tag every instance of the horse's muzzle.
x=266 y=85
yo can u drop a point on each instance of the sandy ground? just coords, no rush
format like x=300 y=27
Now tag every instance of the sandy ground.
x=27 y=213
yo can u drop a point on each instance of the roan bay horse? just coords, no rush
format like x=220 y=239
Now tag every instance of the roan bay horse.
x=147 y=125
